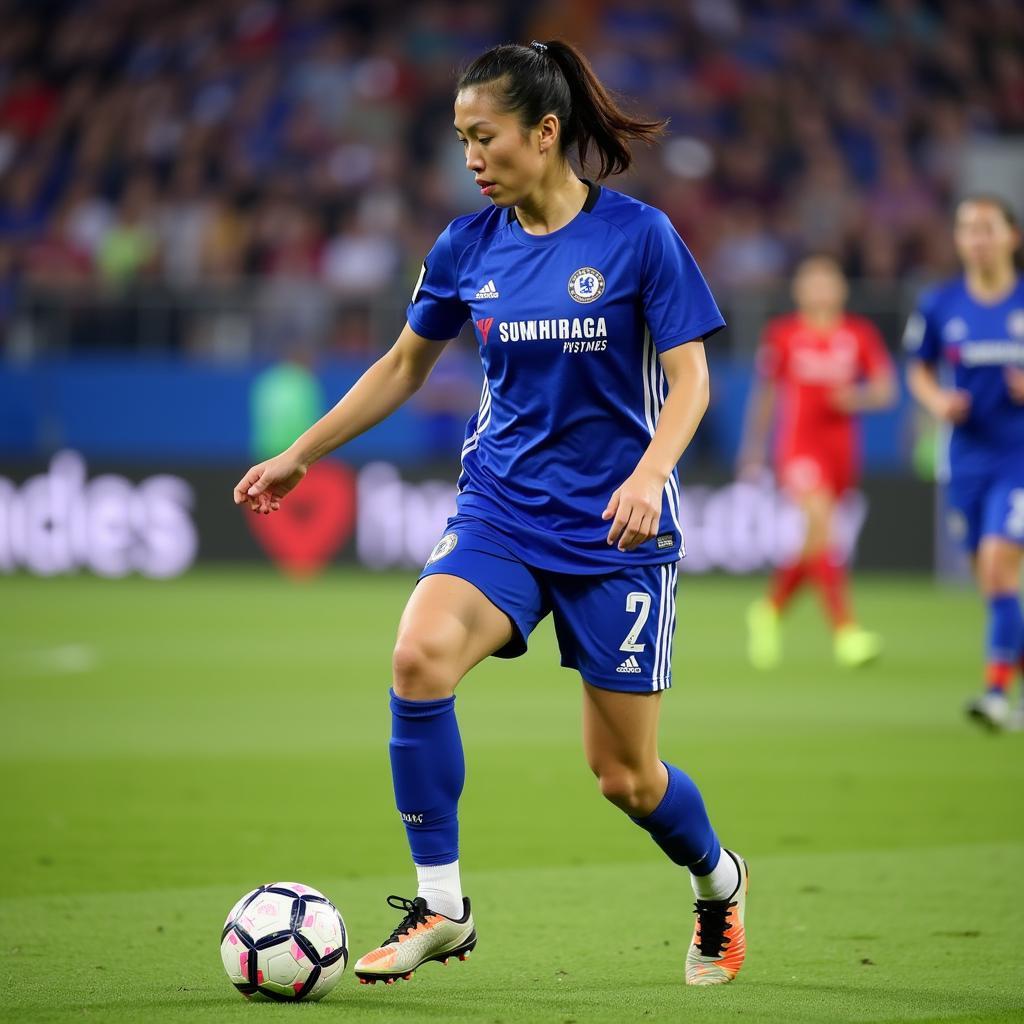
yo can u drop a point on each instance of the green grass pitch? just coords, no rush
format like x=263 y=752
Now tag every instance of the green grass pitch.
x=166 y=746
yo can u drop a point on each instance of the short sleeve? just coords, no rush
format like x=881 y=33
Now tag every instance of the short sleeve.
x=436 y=312
x=770 y=361
x=678 y=305
x=874 y=357
x=921 y=338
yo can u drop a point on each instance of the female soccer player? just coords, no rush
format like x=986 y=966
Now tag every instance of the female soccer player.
x=974 y=327
x=590 y=315
x=826 y=366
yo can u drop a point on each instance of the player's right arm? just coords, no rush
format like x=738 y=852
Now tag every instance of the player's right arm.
x=947 y=404
x=923 y=345
x=386 y=385
x=753 y=453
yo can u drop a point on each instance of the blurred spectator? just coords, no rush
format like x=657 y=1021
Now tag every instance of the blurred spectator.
x=183 y=222
x=362 y=258
x=225 y=241
x=22 y=206
x=130 y=247
x=8 y=286
x=747 y=253
x=55 y=258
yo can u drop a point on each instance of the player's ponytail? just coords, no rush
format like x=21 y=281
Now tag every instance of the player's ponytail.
x=555 y=78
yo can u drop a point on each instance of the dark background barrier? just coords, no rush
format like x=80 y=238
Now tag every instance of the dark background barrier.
x=65 y=515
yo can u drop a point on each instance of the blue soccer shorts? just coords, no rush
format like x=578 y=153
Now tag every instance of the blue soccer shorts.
x=615 y=629
x=986 y=505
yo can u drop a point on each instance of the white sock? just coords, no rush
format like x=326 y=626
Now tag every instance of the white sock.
x=441 y=886
x=721 y=883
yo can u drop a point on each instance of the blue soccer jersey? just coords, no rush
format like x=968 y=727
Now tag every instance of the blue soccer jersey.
x=977 y=342
x=569 y=326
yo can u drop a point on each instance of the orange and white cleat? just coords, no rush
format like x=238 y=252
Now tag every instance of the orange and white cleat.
x=719 y=938
x=421 y=936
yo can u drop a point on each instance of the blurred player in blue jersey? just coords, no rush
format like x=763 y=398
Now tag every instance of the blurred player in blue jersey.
x=973 y=329
x=590 y=316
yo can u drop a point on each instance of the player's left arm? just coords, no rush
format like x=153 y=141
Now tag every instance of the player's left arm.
x=1015 y=384
x=877 y=390
x=635 y=507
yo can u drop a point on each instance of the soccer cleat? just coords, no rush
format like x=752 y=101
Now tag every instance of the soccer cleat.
x=1015 y=721
x=421 y=936
x=719 y=938
x=855 y=647
x=991 y=710
x=764 y=635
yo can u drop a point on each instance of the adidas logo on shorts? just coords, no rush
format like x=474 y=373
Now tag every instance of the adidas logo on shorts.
x=630 y=665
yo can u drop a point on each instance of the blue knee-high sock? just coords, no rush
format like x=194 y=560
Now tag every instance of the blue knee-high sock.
x=428 y=771
x=1005 y=629
x=680 y=825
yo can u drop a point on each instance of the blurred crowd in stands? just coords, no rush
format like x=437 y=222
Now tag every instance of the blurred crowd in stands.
x=309 y=144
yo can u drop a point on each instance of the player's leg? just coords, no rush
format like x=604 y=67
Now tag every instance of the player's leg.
x=448 y=626
x=803 y=478
x=621 y=701
x=997 y=567
x=764 y=627
x=853 y=646
x=479 y=602
x=621 y=746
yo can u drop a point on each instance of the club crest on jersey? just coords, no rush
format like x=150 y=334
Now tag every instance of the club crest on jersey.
x=443 y=547
x=586 y=285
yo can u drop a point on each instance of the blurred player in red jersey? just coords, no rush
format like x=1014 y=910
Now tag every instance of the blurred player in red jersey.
x=825 y=366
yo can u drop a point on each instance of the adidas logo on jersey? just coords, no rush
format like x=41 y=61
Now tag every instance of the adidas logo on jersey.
x=487 y=292
x=630 y=665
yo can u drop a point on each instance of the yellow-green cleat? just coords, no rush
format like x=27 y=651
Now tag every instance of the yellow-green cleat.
x=992 y=711
x=764 y=635
x=855 y=647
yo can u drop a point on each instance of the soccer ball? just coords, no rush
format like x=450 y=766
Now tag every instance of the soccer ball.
x=285 y=942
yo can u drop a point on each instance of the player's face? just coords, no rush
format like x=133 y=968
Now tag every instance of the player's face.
x=984 y=238
x=819 y=286
x=506 y=161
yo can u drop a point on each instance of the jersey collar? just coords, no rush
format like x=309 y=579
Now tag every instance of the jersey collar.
x=593 y=194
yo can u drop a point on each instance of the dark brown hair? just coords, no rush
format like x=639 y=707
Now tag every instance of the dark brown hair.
x=991 y=199
x=555 y=78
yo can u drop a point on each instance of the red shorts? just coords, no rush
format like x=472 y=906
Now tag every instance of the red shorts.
x=807 y=470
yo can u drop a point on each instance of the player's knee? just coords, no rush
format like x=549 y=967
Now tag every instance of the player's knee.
x=987 y=581
x=630 y=790
x=998 y=569
x=816 y=540
x=419 y=670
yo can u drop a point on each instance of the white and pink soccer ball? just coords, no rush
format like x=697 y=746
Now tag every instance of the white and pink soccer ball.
x=284 y=942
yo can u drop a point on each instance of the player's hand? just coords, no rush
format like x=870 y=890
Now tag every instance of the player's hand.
x=635 y=509
x=846 y=398
x=266 y=483
x=953 y=406
x=1015 y=384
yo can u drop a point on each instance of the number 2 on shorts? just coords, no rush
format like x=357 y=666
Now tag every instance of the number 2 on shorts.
x=643 y=602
